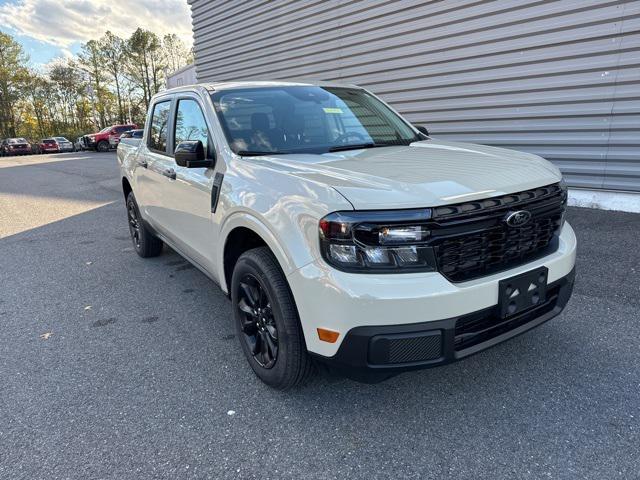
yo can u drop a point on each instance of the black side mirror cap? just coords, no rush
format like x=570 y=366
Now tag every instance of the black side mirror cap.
x=190 y=154
x=422 y=129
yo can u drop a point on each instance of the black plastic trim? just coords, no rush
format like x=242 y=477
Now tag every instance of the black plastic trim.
x=215 y=191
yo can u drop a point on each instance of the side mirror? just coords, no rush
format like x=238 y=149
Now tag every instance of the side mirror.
x=190 y=154
x=422 y=129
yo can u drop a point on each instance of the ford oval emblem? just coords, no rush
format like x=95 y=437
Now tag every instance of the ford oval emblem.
x=518 y=219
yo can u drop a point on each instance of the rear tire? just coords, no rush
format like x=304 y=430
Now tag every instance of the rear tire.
x=145 y=243
x=267 y=322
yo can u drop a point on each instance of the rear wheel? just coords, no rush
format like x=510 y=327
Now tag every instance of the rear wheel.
x=267 y=321
x=145 y=243
x=103 y=146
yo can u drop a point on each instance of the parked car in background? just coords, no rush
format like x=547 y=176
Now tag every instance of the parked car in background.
x=78 y=145
x=106 y=138
x=343 y=234
x=64 y=145
x=49 y=145
x=129 y=142
x=15 y=146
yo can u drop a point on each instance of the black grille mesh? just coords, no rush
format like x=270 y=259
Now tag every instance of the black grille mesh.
x=416 y=349
x=472 y=239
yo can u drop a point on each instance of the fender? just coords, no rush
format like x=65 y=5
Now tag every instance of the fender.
x=247 y=220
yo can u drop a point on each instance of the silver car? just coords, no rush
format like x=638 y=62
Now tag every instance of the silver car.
x=64 y=145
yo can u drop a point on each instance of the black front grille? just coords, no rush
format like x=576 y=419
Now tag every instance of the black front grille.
x=472 y=239
x=479 y=327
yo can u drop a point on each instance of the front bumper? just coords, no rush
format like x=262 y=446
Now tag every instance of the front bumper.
x=374 y=353
x=366 y=305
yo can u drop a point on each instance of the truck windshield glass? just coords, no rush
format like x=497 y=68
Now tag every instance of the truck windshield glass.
x=307 y=119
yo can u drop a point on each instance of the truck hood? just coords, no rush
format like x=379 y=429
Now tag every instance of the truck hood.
x=427 y=173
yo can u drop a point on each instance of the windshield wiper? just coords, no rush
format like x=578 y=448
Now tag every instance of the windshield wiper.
x=359 y=146
x=253 y=153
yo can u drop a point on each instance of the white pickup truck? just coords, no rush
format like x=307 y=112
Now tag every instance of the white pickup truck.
x=346 y=238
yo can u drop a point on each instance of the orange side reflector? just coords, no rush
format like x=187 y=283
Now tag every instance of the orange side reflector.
x=328 y=335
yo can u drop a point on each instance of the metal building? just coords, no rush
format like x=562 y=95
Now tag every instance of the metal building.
x=183 y=76
x=556 y=78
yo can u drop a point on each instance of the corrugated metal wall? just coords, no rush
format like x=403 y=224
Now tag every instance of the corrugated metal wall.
x=556 y=78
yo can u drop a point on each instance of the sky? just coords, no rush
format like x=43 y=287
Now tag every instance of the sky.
x=50 y=29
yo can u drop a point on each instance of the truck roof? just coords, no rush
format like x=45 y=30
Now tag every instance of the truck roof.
x=217 y=86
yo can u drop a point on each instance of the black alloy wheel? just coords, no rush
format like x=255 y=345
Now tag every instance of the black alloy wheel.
x=257 y=321
x=134 y=223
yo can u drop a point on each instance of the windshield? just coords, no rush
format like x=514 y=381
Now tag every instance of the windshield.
x=105 y=130
x=307 y=119
x=61 y=139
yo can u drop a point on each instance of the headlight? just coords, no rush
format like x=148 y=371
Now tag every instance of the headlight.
x=391 y=241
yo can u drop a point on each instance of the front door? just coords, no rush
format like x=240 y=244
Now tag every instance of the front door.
x=186 y=201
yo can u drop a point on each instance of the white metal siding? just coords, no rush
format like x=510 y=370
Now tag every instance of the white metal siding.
x=184 y=76
x=556 y=78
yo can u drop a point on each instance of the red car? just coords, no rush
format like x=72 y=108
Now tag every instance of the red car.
x=15 y=146
x=49 y=145
x=107 y=137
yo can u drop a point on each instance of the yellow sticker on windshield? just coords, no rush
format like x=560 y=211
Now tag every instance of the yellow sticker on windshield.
x=332 y=110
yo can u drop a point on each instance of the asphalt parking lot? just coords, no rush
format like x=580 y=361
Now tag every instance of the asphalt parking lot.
x=116 y=367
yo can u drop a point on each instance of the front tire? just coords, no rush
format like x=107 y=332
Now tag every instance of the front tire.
x=103 y=146
x=145 y=243
x=267 y=322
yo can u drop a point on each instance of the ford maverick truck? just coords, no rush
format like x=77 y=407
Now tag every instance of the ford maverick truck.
x=346 y=238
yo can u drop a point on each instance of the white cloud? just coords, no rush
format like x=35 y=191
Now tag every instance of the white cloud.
x=65 y=22
x=66 y=53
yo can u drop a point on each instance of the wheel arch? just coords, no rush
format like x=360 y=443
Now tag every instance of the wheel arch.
x=126 y=187
x=242 y=232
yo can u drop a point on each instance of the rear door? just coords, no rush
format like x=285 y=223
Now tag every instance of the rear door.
x=152 y=161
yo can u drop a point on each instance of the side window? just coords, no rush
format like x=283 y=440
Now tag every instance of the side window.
x=159 y=126
x=190 y=124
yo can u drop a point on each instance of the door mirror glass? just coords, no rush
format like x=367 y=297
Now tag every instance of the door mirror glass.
x=422 y=129
x=190 y=154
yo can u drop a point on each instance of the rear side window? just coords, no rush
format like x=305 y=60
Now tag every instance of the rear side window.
x=190 y=123
x=159 y=126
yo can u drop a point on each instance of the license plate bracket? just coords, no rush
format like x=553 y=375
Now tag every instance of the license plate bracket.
x=522 y=292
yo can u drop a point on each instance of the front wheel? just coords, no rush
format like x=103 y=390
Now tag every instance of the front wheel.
x=267 y=322
x=103 y=146
x=145 y=243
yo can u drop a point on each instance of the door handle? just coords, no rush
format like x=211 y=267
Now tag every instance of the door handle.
x=143 y=163
x=169 y=172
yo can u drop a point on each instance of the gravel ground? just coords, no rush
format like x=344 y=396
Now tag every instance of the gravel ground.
x=116 y=367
